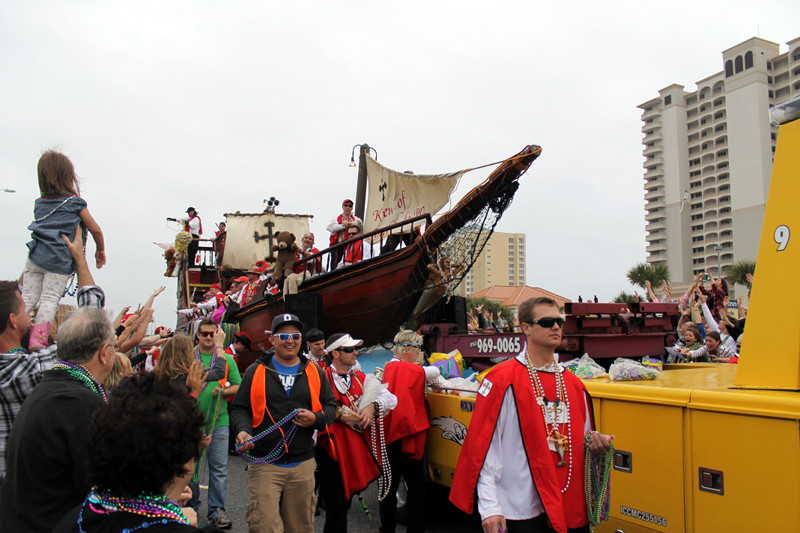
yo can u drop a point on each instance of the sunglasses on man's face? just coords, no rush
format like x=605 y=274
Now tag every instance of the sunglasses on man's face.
x=283 y=337
x=547 y=322
x=347 y=205
x=347 y=349
x=206 y=333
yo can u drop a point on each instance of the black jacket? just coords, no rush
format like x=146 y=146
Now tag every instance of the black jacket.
x=280 y=405
x=47 y=454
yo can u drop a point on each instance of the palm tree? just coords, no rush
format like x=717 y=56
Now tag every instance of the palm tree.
x=655 y=274
x=737 y=273
x=624 y=298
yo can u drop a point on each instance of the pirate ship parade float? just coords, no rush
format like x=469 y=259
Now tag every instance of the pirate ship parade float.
x=416 y=260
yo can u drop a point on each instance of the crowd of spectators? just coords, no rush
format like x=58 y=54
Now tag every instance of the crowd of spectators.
x=153 y=404
x=706 y=331
x=483 y=320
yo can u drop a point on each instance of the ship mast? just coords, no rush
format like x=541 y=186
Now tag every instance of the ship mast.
x=361 y=185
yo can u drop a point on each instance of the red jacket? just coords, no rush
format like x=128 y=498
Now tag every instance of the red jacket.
x=567 y=510
x=409 y=421
x=314 y=266
x=346 y=446
x=354 y=252
x=340 y=236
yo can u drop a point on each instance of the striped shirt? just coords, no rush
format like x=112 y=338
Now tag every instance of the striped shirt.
x=20 y=372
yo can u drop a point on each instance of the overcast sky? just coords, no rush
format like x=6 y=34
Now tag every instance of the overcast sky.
x=165 y=104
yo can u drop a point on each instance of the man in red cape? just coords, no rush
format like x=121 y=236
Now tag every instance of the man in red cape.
x=406 y=430
x=344 y=460
x=524 y=450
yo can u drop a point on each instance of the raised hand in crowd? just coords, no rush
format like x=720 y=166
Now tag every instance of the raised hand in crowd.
x=118 y=320
x=149 y=303
x=196 y=378
x=666 y=292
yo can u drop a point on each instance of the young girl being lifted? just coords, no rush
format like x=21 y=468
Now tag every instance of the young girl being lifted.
x=56 y=212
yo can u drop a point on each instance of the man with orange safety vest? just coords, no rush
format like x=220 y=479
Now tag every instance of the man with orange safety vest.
x=281 y=477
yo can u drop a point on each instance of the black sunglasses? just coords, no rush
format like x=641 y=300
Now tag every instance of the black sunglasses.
x=547 y=322
x=347 y=205
x=347 y=349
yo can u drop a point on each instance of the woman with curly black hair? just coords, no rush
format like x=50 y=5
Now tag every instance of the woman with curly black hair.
x=144 y=443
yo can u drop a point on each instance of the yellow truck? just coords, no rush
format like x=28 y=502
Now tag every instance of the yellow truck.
x=705 y=447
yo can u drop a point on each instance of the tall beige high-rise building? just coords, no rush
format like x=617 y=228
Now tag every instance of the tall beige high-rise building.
x=708 y=158
x=502 y=262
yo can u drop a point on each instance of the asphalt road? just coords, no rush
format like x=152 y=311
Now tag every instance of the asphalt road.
x=441 y=516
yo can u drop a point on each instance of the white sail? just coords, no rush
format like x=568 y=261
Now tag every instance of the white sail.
x=396 y=196
x=249 y=235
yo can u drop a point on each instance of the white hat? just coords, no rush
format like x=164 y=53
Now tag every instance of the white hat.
x=341 y=340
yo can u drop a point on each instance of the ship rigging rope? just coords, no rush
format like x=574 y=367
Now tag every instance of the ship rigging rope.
x=469 y=235
x=514 y=158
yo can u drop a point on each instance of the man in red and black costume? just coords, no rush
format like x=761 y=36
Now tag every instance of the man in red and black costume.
x=194 y=225
x=406 y=430
x=338 y=227
x=345 y=462
x=524 y=450
x=357 y=249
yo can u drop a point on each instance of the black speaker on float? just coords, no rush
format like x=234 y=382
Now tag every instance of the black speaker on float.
x=307 y=307
x=452 y=312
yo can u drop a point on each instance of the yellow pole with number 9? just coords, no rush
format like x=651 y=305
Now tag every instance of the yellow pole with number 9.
x=770 y=356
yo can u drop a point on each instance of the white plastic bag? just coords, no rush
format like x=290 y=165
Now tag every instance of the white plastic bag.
x=585 y=367
x=630 y=370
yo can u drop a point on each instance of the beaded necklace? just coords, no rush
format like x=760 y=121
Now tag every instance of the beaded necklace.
x=287 y=374
x=19 y=349
x=56 y=208
x=378 y=441
x=80 y=373
x=598 y=479
x=551 y=419
x=208 y=429
x=147 y=504
x=280 y=448
x=214 y=407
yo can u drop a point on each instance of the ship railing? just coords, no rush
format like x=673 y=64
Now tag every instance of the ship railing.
x=381 y=240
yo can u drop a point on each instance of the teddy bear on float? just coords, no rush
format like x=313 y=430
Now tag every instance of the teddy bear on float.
x=286 y=249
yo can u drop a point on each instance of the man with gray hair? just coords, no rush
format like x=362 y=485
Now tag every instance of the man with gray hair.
x=406 y=429
x=47 y=448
